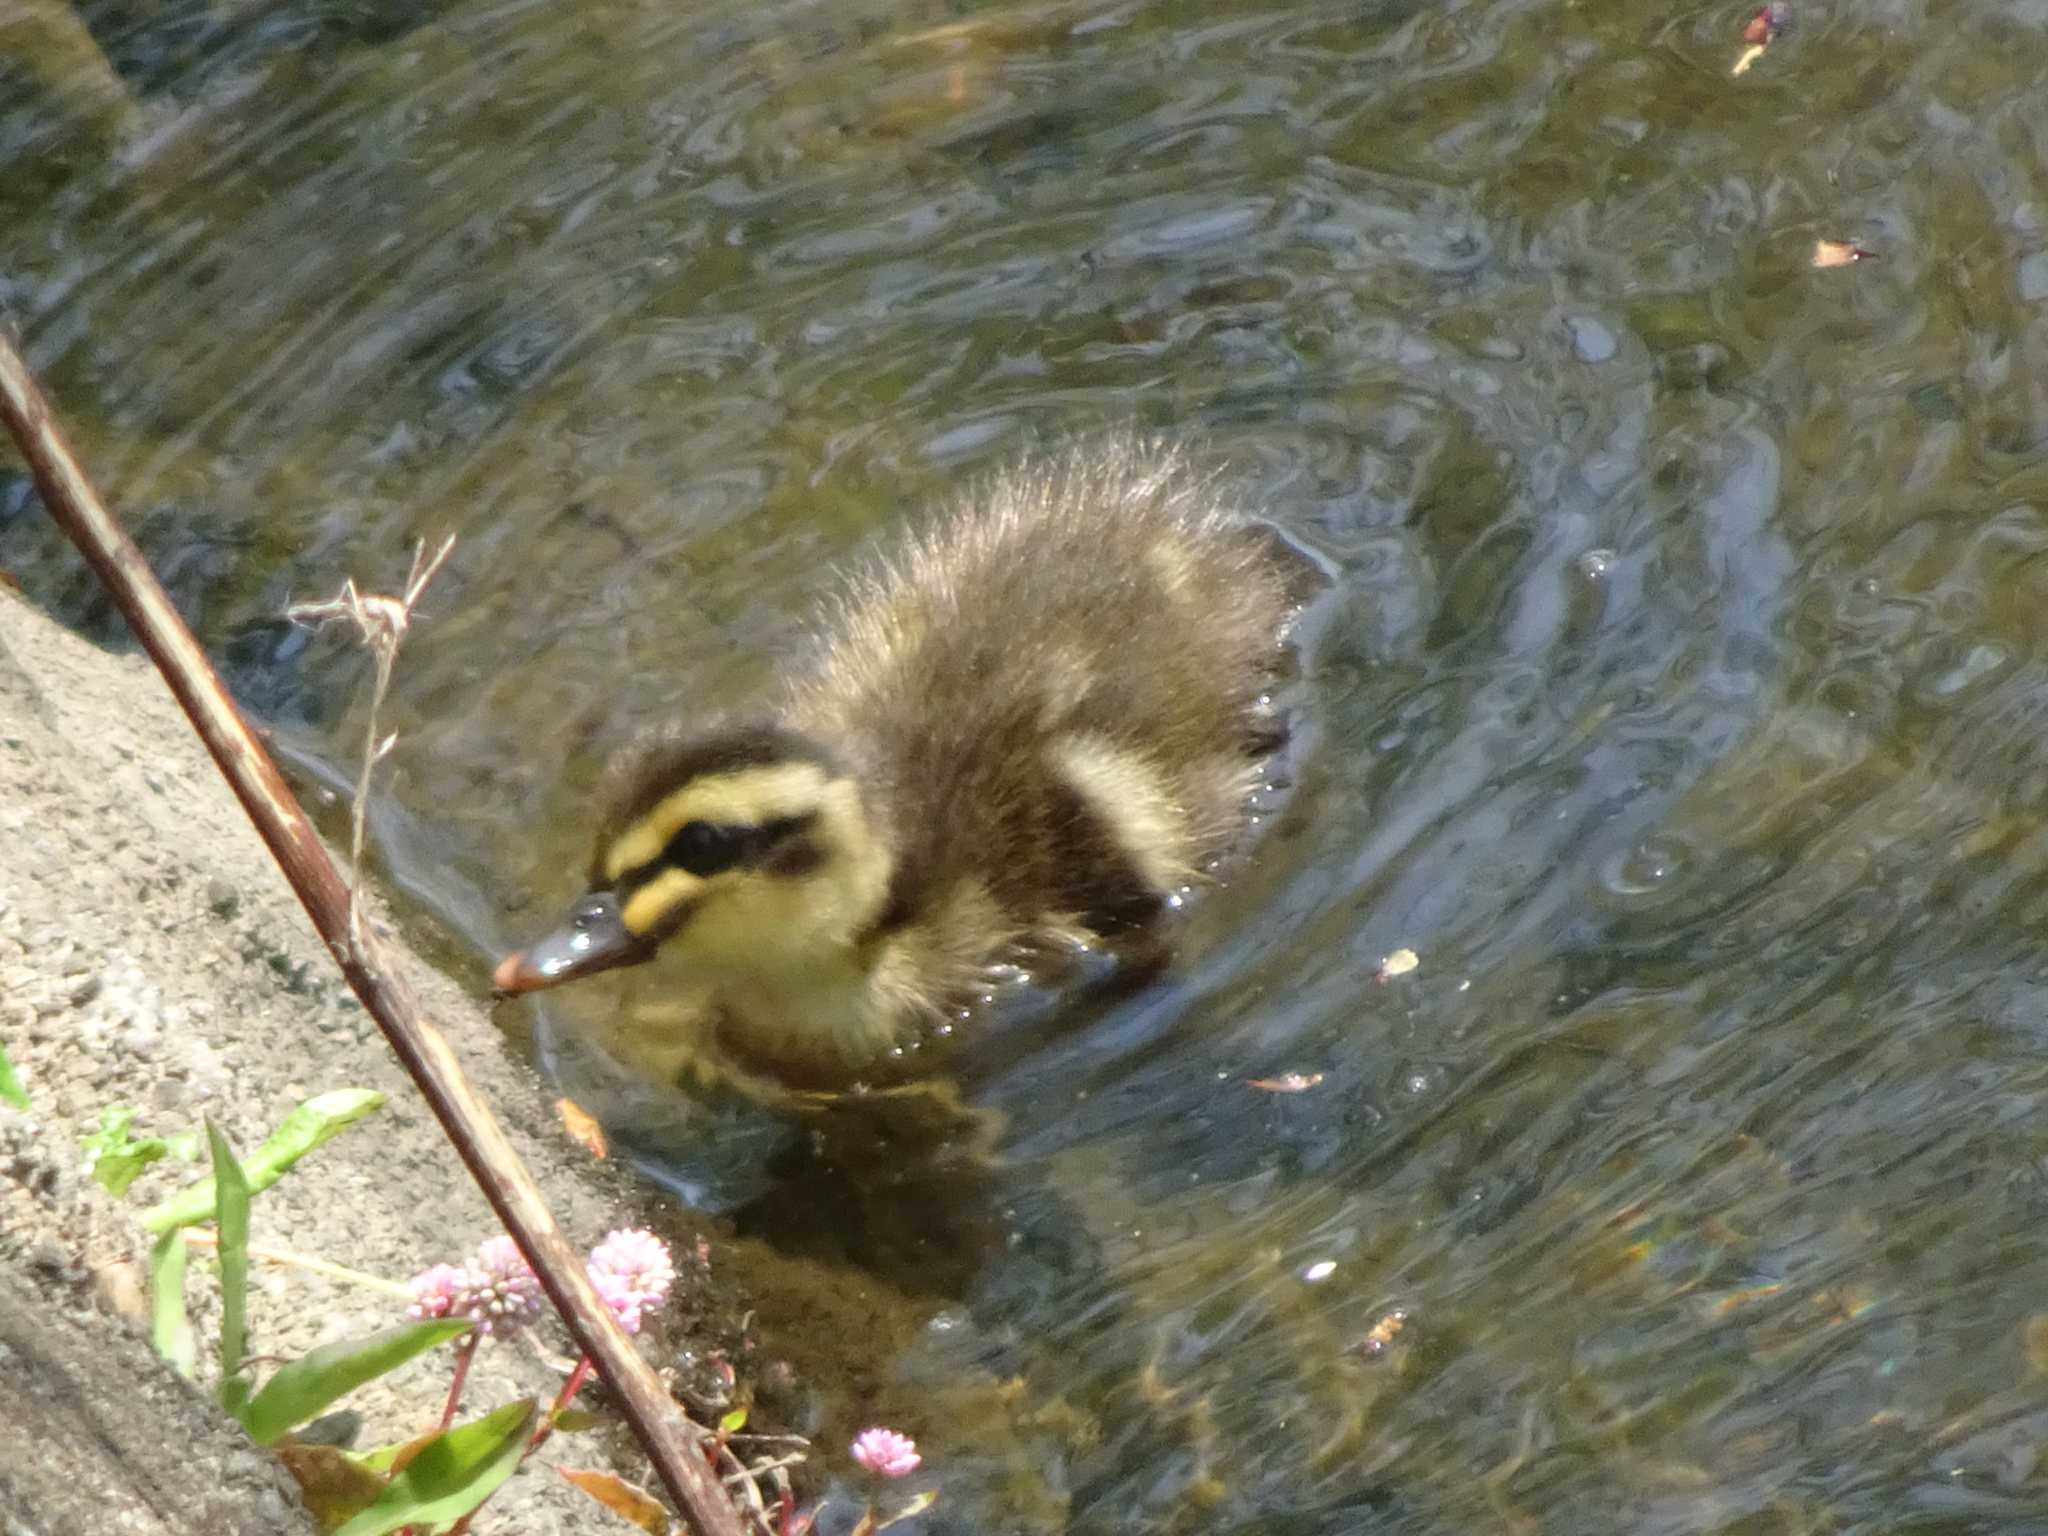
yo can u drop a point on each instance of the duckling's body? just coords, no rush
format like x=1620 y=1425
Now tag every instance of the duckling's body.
x=1029 y=729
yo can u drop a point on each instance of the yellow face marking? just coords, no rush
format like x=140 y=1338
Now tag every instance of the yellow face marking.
x=646 y=907
x=747 y=797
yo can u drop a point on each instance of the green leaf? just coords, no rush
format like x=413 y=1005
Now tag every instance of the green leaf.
x=11 y=1091
x=116 y=1157
x=233 y=1191
x=301 y=1390
x=733 y=1422
x=388 y=1459
x=317 y=1120
x=452 y=1474
x=170 y=1330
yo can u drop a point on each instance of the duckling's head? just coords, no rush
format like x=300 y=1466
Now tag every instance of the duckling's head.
x=743 y=850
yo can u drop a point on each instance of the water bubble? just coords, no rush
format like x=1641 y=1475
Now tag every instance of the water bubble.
x=1592 y=340
x=1650 y=866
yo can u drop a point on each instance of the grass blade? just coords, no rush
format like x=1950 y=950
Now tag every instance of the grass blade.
x=232 y=1191
x=170 y=1329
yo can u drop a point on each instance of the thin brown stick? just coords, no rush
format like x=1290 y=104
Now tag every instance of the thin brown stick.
x=669 y=1438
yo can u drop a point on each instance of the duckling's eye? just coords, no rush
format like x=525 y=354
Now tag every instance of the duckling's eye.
x=705 y=847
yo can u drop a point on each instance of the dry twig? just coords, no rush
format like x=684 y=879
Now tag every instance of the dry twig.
x=381 y=622
x=670 y=1441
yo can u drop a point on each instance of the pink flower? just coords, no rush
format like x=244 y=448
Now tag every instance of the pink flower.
x=498 y=1292
x=632 y=1271
x=435 y=1291
x=885 y=1452
x=506 y=1295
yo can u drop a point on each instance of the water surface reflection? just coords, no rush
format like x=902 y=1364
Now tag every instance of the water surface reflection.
x=1679 y=702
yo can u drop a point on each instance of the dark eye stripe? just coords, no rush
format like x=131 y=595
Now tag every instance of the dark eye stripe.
x=706 y=848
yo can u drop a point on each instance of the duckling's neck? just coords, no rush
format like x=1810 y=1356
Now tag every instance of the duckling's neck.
x=819 y=1025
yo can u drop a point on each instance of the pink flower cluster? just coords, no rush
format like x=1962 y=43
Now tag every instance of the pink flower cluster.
x=631 y=1269
x=496 y=1290
x=886 y=1453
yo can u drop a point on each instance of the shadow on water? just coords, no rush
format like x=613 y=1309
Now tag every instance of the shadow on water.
x=1679 y=701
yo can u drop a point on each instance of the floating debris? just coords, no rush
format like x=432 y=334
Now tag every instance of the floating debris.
x=1759 y=34
x=1286 y=1082
x=1321 y=1270
x=2034 y=1337
x=1399 y=963
x=582 y=1127
x=1839 y=253
x=1382 y=1334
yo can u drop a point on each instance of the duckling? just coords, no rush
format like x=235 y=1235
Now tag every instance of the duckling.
x=1029 y=730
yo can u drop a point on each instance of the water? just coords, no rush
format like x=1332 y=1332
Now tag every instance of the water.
x=1680 y=701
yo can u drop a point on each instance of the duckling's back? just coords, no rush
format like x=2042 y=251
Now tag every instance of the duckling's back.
x=1053 y=697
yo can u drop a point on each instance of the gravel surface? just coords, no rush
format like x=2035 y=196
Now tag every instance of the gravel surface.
x=152 y=957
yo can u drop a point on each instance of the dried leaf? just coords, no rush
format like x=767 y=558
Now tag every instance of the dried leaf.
x=917 y=1506
x=1286 y=1082
x=1838 y=253
x=1766 y=24
x=582 y=1127
x=334 y=1485
x=620 y=1497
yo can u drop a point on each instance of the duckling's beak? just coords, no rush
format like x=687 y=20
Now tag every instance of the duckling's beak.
x=592 y=938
